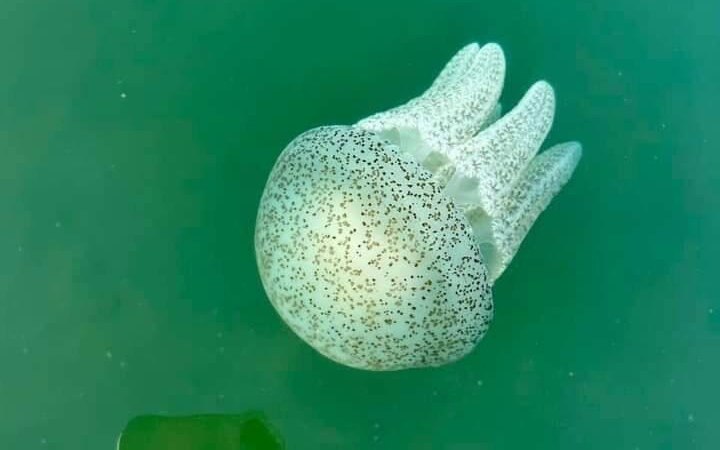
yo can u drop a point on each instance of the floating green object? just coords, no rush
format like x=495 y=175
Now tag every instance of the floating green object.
x=249 y=431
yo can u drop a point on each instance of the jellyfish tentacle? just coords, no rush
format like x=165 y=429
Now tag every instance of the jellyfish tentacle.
x=457 y=67
x=544 y=177
x=453 y=111
x=496 y=156
x=493 y=117
x=455 y=107
x=486 y=162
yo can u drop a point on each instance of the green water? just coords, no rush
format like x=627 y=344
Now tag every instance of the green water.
x=135 y=138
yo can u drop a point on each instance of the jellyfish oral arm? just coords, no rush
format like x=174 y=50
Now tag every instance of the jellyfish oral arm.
x=487 y=163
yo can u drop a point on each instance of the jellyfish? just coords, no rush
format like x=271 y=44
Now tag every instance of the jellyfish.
x=379 y=243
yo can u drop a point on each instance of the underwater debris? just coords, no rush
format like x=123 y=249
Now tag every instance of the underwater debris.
x=249 y=431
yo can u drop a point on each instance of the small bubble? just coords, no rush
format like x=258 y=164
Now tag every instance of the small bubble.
x=219 y=335
x=711 y=311
x=221 y=396
x=434 y=393
x=58 y=224
x=221 y=349
x=43 y=441
x=123 y=95
x=691 y=418
x=479 y=382
x=25 y=350
x=108 y=354
x=620 y=73
x=20 y=248
x=376 y=425
x=376 y=438
x=123 y=364
x=571 y=374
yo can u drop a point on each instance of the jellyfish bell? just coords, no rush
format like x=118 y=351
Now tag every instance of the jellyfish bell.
x=378 y=243
x=366 y=258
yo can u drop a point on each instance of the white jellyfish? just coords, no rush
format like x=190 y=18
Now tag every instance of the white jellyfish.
x=378 y=243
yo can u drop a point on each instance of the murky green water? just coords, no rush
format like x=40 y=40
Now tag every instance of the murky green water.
x=135 y=138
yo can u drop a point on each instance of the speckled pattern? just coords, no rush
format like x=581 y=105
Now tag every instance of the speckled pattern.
x=365 y=258
x=496 y=156
x=530 y=195
x=457 y=105
x=491 y=158
x=378 y=243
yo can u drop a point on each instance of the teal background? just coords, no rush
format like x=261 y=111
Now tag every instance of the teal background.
x=127 y=277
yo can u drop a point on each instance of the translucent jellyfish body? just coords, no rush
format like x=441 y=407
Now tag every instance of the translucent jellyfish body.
x=378 y=243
